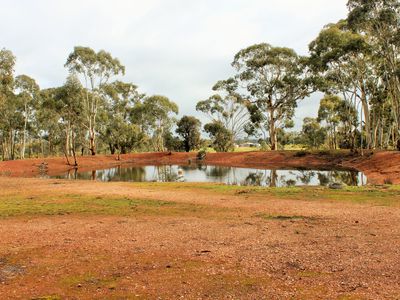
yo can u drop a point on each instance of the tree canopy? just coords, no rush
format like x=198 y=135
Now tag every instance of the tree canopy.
x=354 y=63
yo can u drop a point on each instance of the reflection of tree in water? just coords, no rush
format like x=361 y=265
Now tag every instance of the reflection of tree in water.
x=132 y=174
x=229 y=175
x=193 y=167
x=290 y=182
x=72 y=174
x=166 y=174
x=323 y=179
x=305 y=177
x=273 y=178
x=346 y=177
x=254 y=179
x=122 y=174
x=268 y=178
x=219 y=172
x=201 y=167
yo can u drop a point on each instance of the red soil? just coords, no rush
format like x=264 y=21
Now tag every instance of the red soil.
x=379 y=167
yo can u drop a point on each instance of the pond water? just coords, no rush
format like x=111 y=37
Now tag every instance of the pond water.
x=218 y=174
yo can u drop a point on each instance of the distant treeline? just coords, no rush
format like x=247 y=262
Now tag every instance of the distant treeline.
x=354 y=62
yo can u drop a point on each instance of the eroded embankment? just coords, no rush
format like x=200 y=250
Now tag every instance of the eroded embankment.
x=379 y=167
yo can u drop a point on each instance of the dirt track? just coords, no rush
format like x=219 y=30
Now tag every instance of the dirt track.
x=381 y=167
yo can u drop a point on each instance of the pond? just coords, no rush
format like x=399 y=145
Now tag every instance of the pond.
x=219 y=174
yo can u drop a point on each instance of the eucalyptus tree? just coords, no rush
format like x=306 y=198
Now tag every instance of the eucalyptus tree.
x=66 y=105
x=274 y=80
x=11 y=126
x=118 y=130
x=343 y=60
x=379 y=22
x=96 y=69
x=7 y=64
x=227 y=107
x=8 y=115
x=188 y=128
x=48 y=119
x=329 y=111
x=383 y=120
x=339 y=117
x=28 y=93
x=313 y=133
x=220 y=136
x=155 y=114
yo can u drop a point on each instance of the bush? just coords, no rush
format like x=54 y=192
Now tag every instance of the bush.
x=264 y=146
x=301 y=153
x=201 y=155
x=220 y=136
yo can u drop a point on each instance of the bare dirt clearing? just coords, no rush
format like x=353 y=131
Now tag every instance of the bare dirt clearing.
x=92 y=240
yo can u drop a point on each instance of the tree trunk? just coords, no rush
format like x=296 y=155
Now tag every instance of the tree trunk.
x=12 y=144
x=272 y=132
x=92 y=142
x=67 y=142
x=24 y=134
x=112 y=148
x=66 y=157
x=73 y=150
x=367 y=118
x=187 y=146
x=273 y=178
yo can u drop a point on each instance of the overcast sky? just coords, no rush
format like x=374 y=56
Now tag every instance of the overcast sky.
x=176 y=48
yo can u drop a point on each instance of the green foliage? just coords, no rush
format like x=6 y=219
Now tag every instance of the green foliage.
x=354 y=61
x=264 y=146
x=173 y=143
x=313 y=134
x=96 y=70
x=201 y=155
x=117 y=130
x=189 y=129
x=228 y=107
x=7 y=64
x=155 y=114
x=341 y=118
x=301 y=153
x=274 y=78
x=221 y=137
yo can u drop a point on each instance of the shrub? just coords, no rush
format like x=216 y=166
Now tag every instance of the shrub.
x=201 y=155
x=301 y=153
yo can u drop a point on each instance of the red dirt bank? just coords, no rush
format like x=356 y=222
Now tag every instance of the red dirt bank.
x=379 y=167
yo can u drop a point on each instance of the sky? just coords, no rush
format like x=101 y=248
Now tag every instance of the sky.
x=176 y=48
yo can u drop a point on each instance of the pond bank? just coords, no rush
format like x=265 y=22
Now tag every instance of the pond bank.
x=380 y=167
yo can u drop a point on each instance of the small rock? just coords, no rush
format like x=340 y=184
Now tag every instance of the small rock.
x=336 y=186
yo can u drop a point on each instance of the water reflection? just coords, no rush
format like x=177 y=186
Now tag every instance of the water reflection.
x=228 y=175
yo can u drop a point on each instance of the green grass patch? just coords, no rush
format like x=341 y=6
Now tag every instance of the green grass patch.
x=282 y=217
x=14 y=206
x=368 y=195
x=47 y=298
x=90 y=279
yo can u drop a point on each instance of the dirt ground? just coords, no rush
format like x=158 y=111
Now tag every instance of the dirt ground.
x=379 y=167
x=93 y=240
